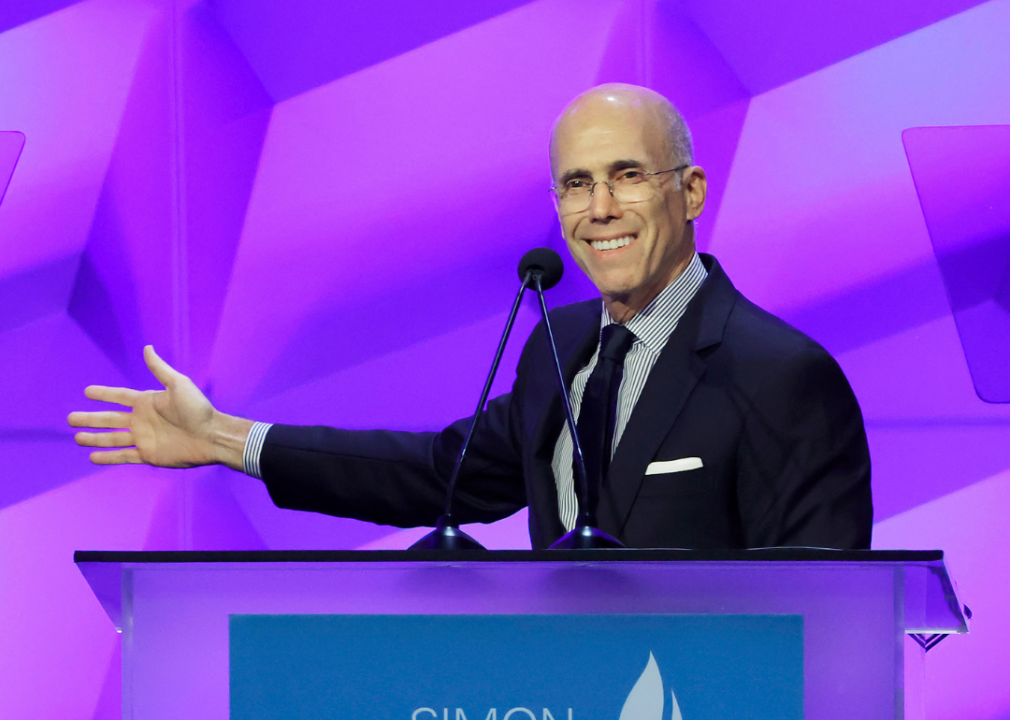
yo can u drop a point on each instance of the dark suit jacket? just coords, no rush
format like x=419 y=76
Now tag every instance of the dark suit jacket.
x=768 y=411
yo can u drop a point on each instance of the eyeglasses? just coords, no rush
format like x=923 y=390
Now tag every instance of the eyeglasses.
x=631 y=186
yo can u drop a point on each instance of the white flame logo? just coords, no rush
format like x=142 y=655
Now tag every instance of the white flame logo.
x=645 y=701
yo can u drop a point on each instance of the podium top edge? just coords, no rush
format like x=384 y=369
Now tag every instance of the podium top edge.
x=783 y=554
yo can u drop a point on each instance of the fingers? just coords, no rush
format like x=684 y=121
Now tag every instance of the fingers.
x=165 y=373
x=116 y=457
x=110 y=419
x=118 y=395
x=105 y=440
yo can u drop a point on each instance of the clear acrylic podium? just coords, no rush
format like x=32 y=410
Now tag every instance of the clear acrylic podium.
x=173 y=608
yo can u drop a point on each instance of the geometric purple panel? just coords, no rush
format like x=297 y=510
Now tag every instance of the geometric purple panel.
x=773 y=42
x=296 y=45
x=962 y=176
x=11 y=143
x=19 y=12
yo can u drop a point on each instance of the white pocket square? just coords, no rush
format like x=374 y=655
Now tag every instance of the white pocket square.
x=672 y=466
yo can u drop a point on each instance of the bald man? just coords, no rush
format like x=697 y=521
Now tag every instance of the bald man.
x=726 y=427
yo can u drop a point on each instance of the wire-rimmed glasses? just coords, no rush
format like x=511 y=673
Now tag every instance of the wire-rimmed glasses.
x=630 y=186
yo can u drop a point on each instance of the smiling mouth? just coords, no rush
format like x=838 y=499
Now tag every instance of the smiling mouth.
x=613 y=244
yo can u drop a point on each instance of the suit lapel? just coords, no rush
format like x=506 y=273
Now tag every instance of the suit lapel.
x=670 y=384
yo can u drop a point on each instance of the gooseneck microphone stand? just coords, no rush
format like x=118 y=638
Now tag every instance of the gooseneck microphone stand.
x=585 y=535
x=447 y=535
x=542 y=268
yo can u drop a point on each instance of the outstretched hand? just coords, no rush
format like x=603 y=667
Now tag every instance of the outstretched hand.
x=176 y=427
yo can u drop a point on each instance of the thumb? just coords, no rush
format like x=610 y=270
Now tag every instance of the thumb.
x=165 y=373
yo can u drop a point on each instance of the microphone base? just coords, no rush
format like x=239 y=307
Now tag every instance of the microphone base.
x=586 y=537
x=447 y=537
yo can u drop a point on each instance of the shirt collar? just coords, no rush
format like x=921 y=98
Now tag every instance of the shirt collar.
x=654 y=324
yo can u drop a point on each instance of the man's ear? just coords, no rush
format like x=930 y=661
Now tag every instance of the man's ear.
x=695 y=184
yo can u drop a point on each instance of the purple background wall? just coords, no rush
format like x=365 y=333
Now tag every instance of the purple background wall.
x=264 y=189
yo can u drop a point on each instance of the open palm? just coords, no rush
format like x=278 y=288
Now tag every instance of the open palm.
x=173 y=427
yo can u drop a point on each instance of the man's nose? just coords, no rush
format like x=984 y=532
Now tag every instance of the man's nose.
x=602 y=205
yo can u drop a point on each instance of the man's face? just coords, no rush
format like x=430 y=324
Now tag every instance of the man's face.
x=598 y=142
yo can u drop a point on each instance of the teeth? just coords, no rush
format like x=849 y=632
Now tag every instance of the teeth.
x=611 y=244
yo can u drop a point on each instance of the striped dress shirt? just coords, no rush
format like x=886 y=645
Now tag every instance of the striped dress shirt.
x=652 y=327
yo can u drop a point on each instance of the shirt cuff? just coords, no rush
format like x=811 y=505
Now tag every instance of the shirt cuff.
x=253 y=448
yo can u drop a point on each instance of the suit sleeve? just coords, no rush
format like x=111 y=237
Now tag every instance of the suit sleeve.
x=398 y=478
x=804 y=463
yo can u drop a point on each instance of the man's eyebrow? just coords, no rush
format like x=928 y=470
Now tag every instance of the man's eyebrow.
x=614 y=167
x=574 y=173
x=618 y=165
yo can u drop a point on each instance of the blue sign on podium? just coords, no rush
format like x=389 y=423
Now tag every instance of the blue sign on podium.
x=516 y=667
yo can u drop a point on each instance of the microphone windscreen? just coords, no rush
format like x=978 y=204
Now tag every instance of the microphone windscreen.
x=547 y=262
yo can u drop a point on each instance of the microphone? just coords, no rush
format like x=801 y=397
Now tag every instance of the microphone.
x=545 y=265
